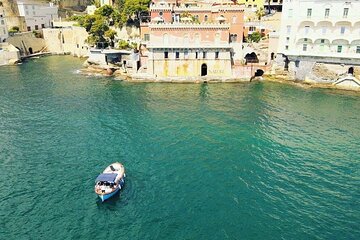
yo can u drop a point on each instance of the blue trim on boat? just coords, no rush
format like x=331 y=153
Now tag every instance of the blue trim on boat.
x=107 y=196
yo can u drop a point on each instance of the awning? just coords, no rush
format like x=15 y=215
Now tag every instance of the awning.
x=106 y=177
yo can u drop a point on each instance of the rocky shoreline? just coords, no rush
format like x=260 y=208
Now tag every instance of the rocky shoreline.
x=109 y=71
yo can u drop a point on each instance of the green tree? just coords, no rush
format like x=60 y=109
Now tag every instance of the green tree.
x=111 y=34
x=134 y=8
x=98 y=29
x=105 y=11
x=14 y=29
x=254 y=37
x=122 y=44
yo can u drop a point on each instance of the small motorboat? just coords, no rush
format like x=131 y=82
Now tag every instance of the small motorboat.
x=108 y=183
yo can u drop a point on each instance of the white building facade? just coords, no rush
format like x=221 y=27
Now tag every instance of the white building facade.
x=3 y=27
x=324 y=31
x=37 y=15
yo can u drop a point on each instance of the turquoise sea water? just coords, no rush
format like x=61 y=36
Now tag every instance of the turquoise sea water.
x=216 y=161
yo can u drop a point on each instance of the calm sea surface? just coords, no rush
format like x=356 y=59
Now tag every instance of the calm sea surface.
x=217 y=161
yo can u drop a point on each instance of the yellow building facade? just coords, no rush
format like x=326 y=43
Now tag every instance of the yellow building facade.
x=253 y=3
x=185 y=62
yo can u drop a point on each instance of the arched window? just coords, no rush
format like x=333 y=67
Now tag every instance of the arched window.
x=206 y=18
x=165 y=38
x=234 y=19
x=161 y=14
x=186 y=38
x=233 y=38
x=197 y=38
x=217 y=38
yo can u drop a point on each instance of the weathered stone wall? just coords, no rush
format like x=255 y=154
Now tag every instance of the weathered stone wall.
x=12 y=15
x=67 y=40
x=8 y=54
x=27 y=43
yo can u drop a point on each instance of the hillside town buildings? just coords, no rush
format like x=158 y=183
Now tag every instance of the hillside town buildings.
x=3 y=27
x=203 y=39
x=37 y=15
x=273 y=5
x=257 y=4
x=322 y=31
x=107 y=2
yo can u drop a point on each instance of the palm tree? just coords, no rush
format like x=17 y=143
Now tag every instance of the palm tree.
x=260 y=13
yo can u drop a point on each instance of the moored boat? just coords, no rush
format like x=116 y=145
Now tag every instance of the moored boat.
x=108 y=183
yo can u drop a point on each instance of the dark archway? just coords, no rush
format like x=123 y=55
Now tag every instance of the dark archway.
x=351 y=71
x=251 y=58
x=287 y=61
x=203 y=69
x=30 y=50
x=272 y=56
x=259 y=73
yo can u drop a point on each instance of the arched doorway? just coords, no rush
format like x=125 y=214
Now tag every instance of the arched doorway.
x=351 y=71
x=203 y=69
x=259 y=73
x=251 y=58
x=272 y=56
x=30 y=50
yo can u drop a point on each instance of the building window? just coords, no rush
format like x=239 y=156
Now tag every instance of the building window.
x=36 y=27
x=205 y=18
x=196 y=55
x=346 y=12
x=323 y=30
x=146 y=37
x=197 y=38
x=307 y=28
x=288 y=29
x=177 y=55
x=286 y=47
x=309 y=12
x=233 y=38
x=339 y=49
x=186 y=38
x=327 y=12
x=217 y=37
x=166 y=38
x=166 y=55
x=304 y=47
x=252 y=29
x=342 y=30
x=42 y=25
x=29 y=29
x=26 y=13
x=33 y=7
x=357 y=49
x=2 y=22
x=287 y=39
x=290 y=13
x=322 y=41
x=204 y=55
x=186 y=54
x=161 y=14
x=216 y=55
